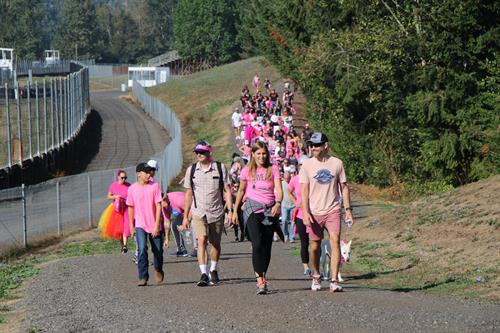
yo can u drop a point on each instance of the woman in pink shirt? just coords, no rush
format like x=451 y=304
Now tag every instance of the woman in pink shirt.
x=117 y=192
x=259 y=181
x=296 y=197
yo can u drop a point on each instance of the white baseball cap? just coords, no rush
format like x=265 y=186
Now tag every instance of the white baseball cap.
x=153 y=164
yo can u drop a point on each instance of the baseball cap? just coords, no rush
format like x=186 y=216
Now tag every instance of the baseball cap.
x=153 y=164
x=142 y=167
x=202 y=147
x=317 y=137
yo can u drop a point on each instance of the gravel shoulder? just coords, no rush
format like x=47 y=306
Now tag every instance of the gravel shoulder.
x=98 y=294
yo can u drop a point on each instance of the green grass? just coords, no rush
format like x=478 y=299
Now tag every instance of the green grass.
x=12 y=276
x=92 y=247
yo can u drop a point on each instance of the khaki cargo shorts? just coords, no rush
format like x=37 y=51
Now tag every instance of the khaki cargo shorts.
x=213 y=230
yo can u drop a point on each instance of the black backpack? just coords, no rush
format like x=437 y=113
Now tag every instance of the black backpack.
x=221 y=181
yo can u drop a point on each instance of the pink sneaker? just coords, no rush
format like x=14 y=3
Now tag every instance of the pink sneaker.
x=316 y=283
x=335 y=287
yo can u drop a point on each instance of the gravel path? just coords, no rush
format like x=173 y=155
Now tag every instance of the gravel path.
x=98 y=294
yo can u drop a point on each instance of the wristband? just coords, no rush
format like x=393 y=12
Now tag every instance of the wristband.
x=278 y=202
x=348 y=208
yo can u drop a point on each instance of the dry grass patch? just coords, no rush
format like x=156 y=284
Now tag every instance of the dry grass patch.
x=445 y=244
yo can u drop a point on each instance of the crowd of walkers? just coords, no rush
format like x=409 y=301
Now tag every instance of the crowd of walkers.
x=281 y=185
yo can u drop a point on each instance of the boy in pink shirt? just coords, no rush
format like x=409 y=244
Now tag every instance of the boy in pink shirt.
x=144 y=209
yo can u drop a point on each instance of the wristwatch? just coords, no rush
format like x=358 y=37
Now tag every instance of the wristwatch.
x=348 y=208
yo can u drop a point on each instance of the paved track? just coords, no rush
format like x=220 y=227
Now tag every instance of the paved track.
x=129 y=136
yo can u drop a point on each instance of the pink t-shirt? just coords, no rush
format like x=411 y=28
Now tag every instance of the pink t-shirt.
x=259 y=189
x=176 y=203
x=143 y=198
x=119 y=189
x=294 y=187
x=323 y=179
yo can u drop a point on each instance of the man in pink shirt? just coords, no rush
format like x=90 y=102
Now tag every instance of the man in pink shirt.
x=144 y=209
x=319 y=179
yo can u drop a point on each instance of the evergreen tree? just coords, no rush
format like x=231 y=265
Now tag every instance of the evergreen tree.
x=77 y=34
x=206 y=29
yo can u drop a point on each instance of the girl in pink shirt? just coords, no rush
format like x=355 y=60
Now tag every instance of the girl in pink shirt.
x=261 y=184
x=117 y=192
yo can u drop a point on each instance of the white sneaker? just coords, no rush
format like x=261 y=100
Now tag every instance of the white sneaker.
x=335 y=287
x=316 y=283
x=275 y=237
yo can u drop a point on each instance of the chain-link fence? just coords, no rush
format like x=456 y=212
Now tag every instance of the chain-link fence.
x=171 y=158
x=57 y=206
x=36 y=118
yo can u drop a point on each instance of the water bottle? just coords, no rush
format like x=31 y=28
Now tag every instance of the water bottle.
x=348 y=223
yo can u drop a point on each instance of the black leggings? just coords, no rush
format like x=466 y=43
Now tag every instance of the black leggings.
x=304 y=240
x=261 y=237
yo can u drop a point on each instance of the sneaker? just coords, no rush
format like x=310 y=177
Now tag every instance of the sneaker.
x=262 y=288
x=180 y=253
x=203 y=280
x=124 y=249
x=142 y=283
x=214 y=278
x=335 y=287
x=275 y=238
x=316 y=283
x=134 y=259
x=308 y=273
x=194 y=254
x=159 y=277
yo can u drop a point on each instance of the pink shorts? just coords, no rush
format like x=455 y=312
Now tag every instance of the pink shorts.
x=330 y=222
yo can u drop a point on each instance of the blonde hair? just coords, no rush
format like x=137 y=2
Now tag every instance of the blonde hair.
x=252 y=165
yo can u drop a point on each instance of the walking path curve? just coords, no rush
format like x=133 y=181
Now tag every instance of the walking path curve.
x=128 y=135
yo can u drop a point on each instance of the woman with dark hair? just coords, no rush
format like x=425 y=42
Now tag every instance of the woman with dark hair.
x=259 y=181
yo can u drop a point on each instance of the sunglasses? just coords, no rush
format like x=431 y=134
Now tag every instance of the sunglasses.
x=123 y=177
x=201 y=152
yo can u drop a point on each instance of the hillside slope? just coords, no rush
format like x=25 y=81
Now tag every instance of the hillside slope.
x=445 y=244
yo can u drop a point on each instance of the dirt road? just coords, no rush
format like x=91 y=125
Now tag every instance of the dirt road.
x=98 y=294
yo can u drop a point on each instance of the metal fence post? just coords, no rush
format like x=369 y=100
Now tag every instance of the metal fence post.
x=37 y=112
x=44 y=116
x=52 y=128
x=89 y=187
x=19 y=133
x=58 y=206
x=25 y=229
x=30 y=129
x=9 y=134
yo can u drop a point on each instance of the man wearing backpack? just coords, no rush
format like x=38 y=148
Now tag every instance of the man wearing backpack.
x=205 y=182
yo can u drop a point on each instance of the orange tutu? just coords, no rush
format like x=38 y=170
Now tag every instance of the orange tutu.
x=111 y=223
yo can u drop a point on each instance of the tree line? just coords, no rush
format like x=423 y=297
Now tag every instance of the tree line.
x=123 y=31
x=408 y=91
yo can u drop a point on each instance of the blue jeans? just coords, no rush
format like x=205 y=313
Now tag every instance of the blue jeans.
x=142 y=258
x=286 y=221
